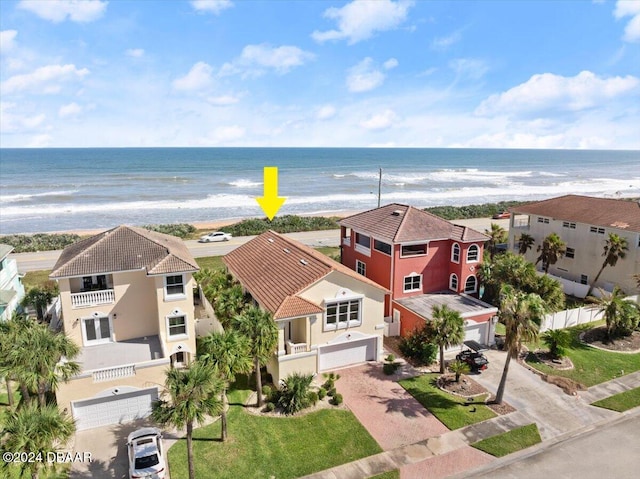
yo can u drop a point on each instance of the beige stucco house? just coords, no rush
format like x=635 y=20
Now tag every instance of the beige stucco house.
x=127 y=300
x=584 y=224
x=328 y=316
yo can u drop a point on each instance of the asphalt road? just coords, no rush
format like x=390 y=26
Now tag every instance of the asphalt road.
x=47 y=259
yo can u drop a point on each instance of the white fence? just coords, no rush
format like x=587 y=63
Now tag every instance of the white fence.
x=573 y=317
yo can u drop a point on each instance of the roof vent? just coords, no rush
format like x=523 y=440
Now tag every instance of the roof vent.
x=286 y=250
x=270 y=240
x=304 y=262
x=396 y=213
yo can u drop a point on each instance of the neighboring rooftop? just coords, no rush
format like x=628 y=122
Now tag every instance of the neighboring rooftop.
x=5 y=249
x=465 y=305
x=606 y=212
x=125 y=248
x=117 y=353
x=275 y=269
x=399 y=223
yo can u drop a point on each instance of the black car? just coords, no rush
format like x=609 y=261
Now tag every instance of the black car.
x=476 y=361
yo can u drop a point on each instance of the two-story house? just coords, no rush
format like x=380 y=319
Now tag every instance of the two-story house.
x=584 y=224
x=327 y=316
x=11 y=287
x=127 y=301
x=424 y=261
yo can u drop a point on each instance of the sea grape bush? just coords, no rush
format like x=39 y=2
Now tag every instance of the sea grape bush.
x=39 y=242
x=181 y=230
x=281 y=224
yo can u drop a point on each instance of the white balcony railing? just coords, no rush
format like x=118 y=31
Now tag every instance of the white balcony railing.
x=346 y=241
x=363 y=249
x=521 y=223
x=117 y=372
x=92 y=298
x=295 y=348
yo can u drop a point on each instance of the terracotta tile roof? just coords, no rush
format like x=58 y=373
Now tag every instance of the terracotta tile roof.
x=606 y=212
x=399 y=223
x=125 y=248
x=274 y=269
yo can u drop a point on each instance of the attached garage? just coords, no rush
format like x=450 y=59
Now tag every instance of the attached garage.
x=476 y=331
x=113 y=409
x=333 y=356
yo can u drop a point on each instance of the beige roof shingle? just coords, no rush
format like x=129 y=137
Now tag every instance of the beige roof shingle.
x=125 y=248
x=399 y=223
x=607 y=212
x=274 y=269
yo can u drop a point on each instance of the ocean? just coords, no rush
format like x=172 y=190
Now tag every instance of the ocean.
x=45 y=190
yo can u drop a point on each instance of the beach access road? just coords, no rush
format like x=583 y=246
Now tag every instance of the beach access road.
x=45 y=260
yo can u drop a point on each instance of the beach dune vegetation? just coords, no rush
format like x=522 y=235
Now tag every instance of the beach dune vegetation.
x=282 y=224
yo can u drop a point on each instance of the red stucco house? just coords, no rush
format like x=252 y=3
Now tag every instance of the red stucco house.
x=423 y=260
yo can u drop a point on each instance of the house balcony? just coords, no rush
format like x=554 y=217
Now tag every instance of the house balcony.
x=92 y=298
x=346 y=241
x=521 y=223
x=296 y=348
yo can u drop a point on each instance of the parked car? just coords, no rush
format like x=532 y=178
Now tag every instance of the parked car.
x=146 y=459
x=502 y=216
x=215 y=236
x=477 y=361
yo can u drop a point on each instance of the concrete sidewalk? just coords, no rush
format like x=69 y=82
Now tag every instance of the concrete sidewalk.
x=611 y=388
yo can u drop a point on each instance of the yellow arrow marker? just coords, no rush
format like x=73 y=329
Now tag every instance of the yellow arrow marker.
x=270 y=202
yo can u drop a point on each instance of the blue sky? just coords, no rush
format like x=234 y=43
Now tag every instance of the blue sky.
x=503 y=74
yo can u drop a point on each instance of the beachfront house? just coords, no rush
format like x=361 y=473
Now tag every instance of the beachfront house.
x=423 y=261
x=327 y=316
x=584 y=224
x=11 y=287
x=127 y=300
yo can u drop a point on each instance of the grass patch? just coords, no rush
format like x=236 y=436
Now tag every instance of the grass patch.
x=36 y=279
x=453 y=411
x=501 y=329
x=330 y=251
x=211 y=262
x=621 y=402
x=591 y=365
x=509 y=442
x=388 y=475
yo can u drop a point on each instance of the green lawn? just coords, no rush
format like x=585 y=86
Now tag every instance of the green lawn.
x=591 y=365
x=621 y=402
x=509 y=442
x=453 y=411
x=36 y=278
x=280 y=447
x=211 y=262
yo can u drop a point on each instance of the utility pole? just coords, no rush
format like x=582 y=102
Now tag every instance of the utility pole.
x=379 y=186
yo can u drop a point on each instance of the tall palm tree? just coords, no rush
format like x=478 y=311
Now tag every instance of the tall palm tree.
x=522 y=314
x=14 y=362
x=228 y=303
x=551 y=250
x=258 y=325
x=39 y=298
x=497 y=235
x=620 y=315
x=230 y=354
x=35 y=430
x=448 y=327
x=526 y=243
x=189 y=396
x=615 y=248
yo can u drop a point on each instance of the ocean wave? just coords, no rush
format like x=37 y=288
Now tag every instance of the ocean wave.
x=445 y=175
x=27 y=196
x=244 y=183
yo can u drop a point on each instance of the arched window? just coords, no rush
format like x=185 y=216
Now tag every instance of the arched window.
x=455 y=253
x=453 y=282
x=471 y=284
x=473 y=253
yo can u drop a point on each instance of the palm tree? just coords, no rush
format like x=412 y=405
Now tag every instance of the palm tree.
x=497 y=235
x=189 y=396
x=14 y=362
x=229 y=303
x=620 y=315
x=35 y=430
x=551 y=250
x=40 y=298
x=230 y=354
x=258 y=325
x=459 y=368
x=615 y=248
x=557 y=340
x=448 y=327
x=526 y=243
x=522 y=314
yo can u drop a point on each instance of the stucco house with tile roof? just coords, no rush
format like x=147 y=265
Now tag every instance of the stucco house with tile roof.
x=327 y=316
x=584 y=224
x=127 y=300
x=422 y=260
x=11 y=287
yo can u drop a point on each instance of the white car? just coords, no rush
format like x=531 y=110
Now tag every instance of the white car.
x=146 y=458
x=215 y=236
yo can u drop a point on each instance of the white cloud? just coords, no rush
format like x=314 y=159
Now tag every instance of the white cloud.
x=548 y=91
x=45 y=79
x=198 y=78
x=360 y=19
x=364 y=77
x=69 y=111
x=135 y=52
x=326 y=112
x=390 y=64
x=211 y=6
x=629 y=9
x=443 y=43
x=223 y=100
x=7 y=40
x=58 y=10
x=40 y=141
x=469 y=67
x=255 y=59
x=15 y=122
x=381 y=121
x=224 y=135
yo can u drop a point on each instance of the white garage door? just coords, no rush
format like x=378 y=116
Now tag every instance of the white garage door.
x=114 y=409
x=476 y=332
x=344 y=354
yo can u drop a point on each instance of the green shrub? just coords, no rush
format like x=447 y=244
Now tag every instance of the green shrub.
x=389 y=368
x=267 y=391
x=557 y=340
x=281 y=224
x=337 y=399
x=322 y=393
x=269 y=407
x=181 y=230
x=485 y=210
x=39 y=242
x=313 y=397
x=419 y=346
x=331 y=392
x=294 y=395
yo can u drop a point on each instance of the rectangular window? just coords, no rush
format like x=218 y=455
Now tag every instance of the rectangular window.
x=177 y=325
x=382 y=247
x=596 y=230
x=543 y=220
x=571 y=253
x=361 y=267
x=414 y=249
x=567 y=224
x=174 y=285
x=412 y=283
x=363 y=240
x=342 y=314
x=584 y=279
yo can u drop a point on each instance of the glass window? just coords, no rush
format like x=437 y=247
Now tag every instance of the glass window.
x=453 y=282
x=382 y=247
x=361 y=268
x=570 y=253
x=174 y=285
x=473 y=253
x=363 y=240
x=470 y=285
x=177 y=325
x=455 y=253
x=342 y=313
x=412 y=282
x=97 y=329
x=414 y=249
